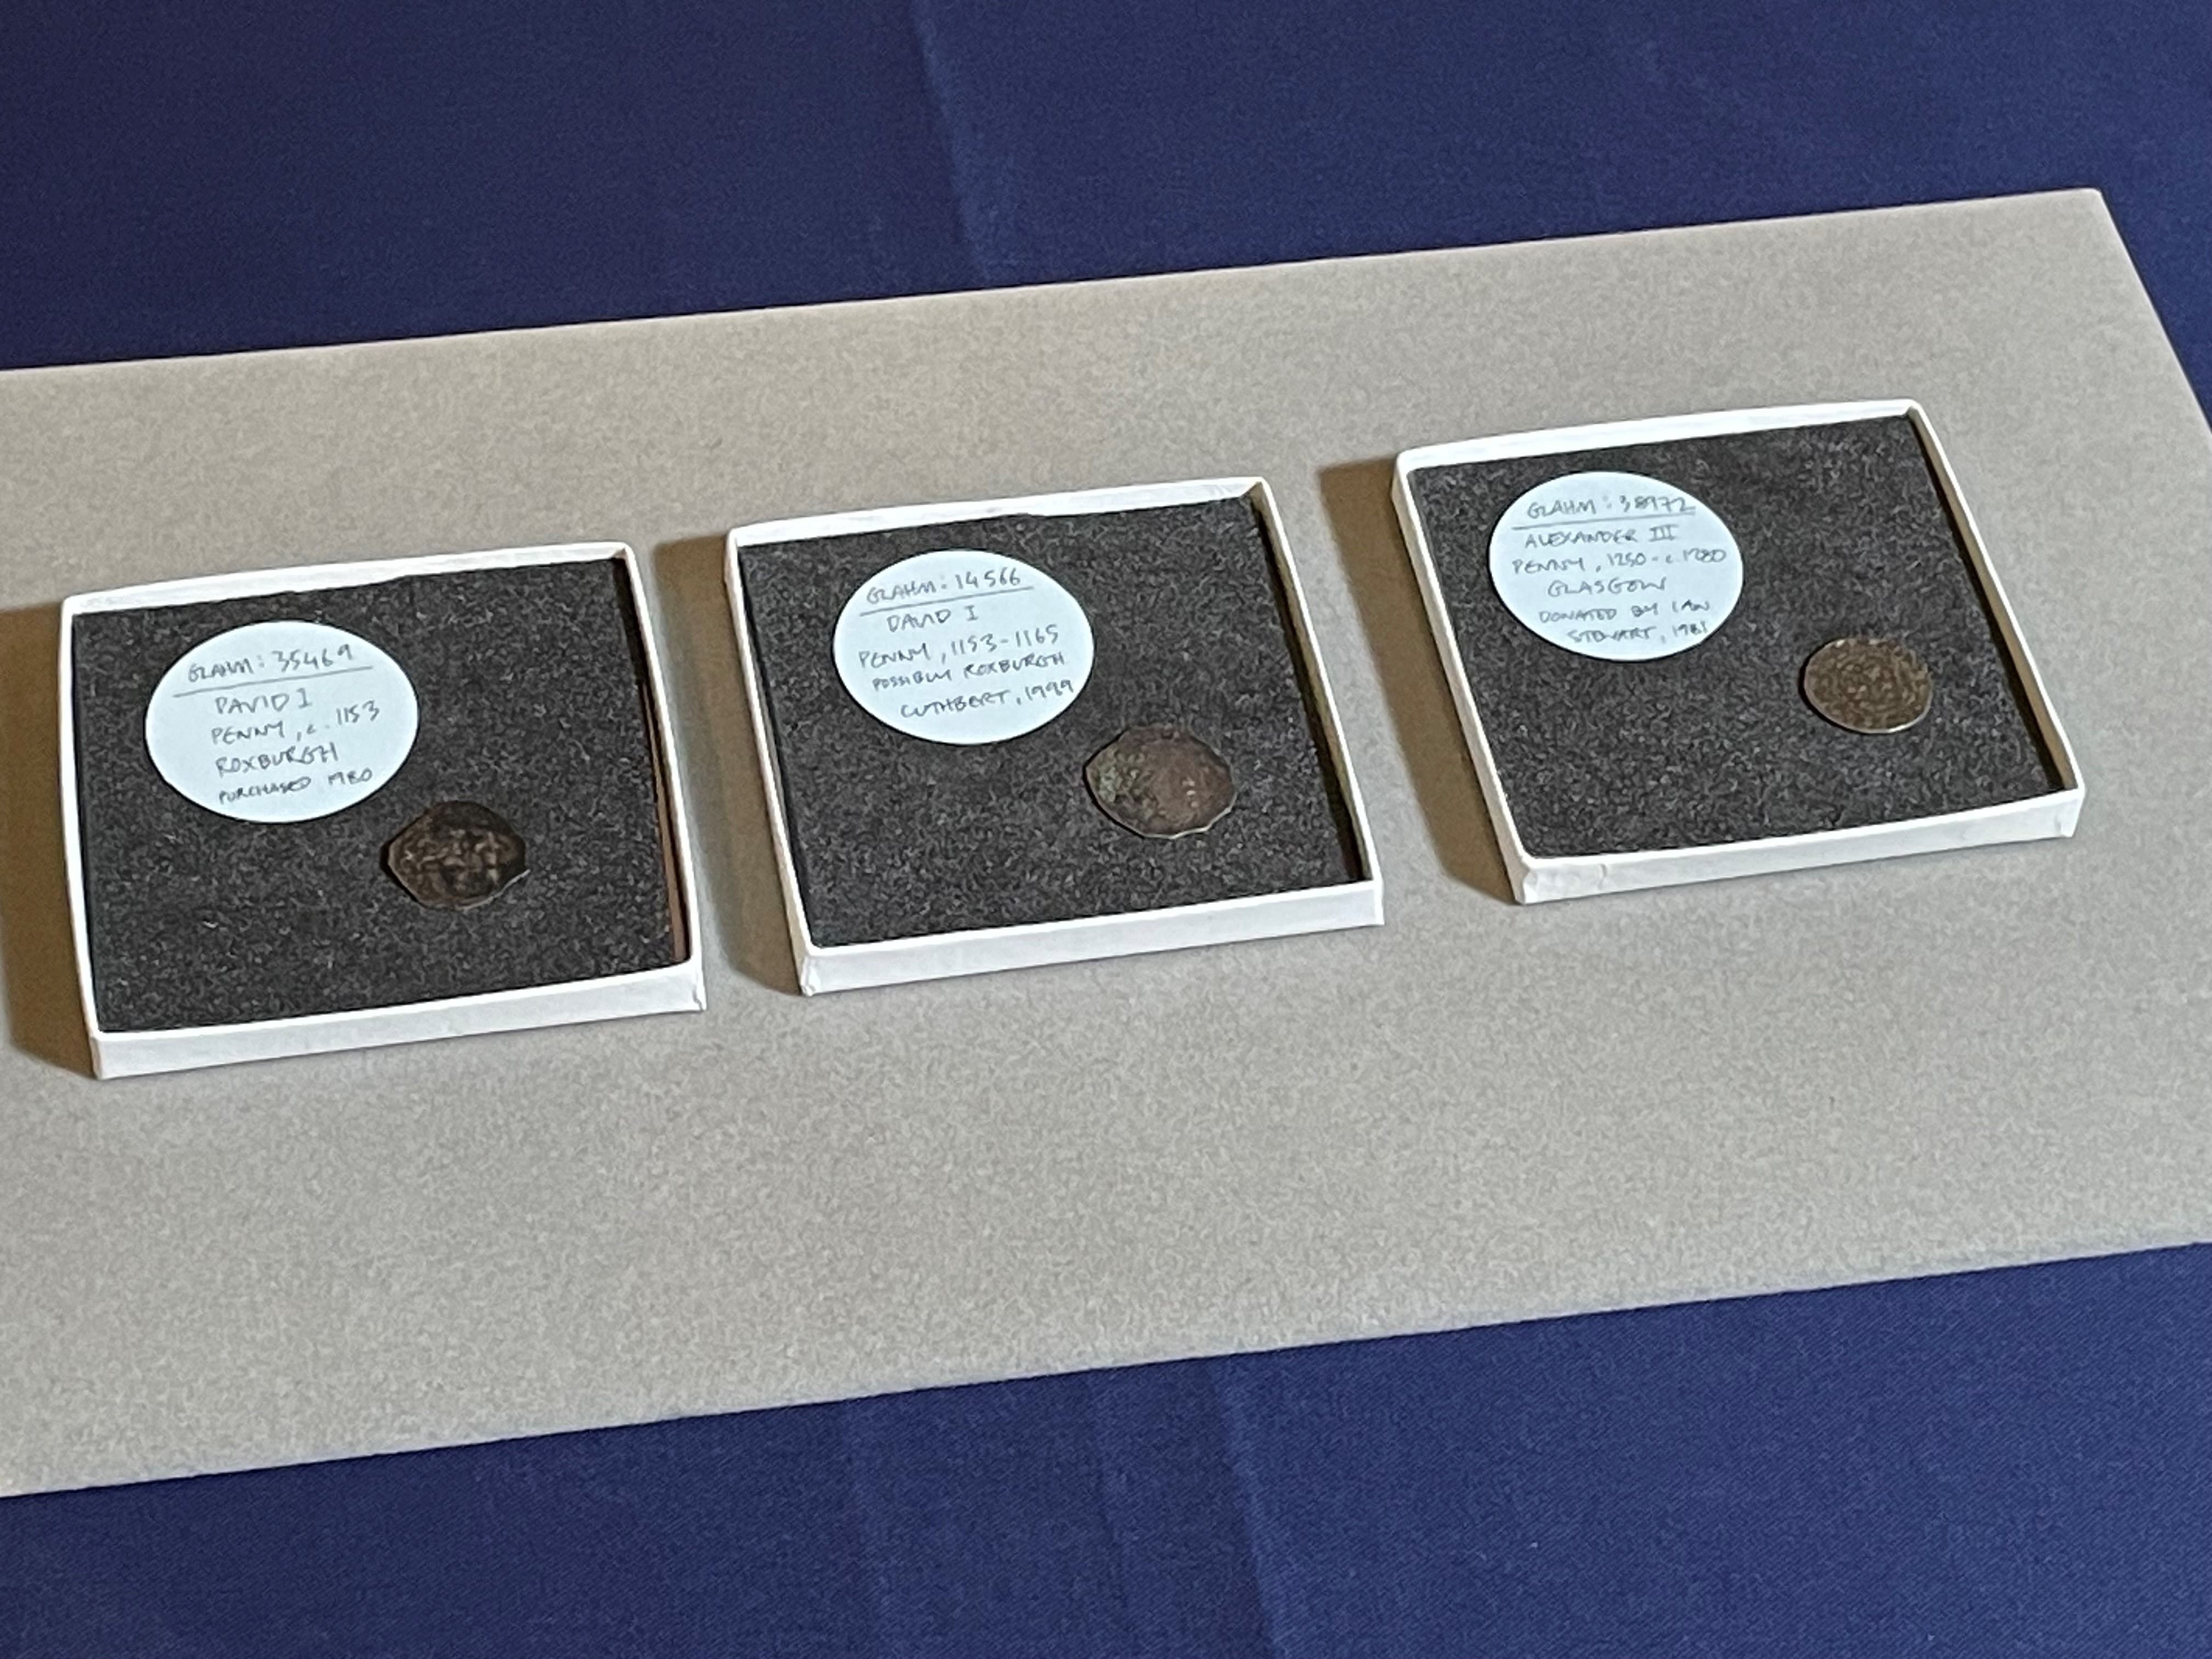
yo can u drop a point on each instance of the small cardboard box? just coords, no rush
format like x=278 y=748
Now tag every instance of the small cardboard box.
x=1602 y=776
x=202 y=939
x=904 y=859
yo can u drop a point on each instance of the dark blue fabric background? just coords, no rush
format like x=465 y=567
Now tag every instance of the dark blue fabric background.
x=2014 y=1463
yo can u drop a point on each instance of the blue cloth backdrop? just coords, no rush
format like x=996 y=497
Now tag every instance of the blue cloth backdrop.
x=2015 y=1464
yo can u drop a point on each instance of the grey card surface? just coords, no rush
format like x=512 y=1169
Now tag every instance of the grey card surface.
x=1476 y=1113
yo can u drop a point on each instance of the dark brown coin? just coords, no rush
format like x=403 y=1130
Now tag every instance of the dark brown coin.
x=456 y=856
x=1868 y=685
x=1160 y=781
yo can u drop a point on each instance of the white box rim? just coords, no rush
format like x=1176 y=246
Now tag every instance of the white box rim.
x=1536 y=879
x=935 y=956
x=678 y=986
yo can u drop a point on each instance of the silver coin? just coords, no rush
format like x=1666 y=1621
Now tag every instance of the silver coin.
x=1868 y=685
x=1159 y=781
x=456 y=856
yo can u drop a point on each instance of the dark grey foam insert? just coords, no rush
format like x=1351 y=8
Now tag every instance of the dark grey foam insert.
x=896 y=837
x=1843 y=530
x=532 y=702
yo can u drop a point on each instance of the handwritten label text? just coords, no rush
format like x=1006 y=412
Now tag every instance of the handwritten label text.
x=279 y=721
x=961 y=646
x=1615 y=565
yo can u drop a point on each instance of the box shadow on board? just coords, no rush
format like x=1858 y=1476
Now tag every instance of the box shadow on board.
x=37 y=953
x=730 y=803
x=1356 y=495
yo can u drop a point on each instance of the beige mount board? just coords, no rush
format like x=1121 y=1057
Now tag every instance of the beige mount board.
x=1477 y=1113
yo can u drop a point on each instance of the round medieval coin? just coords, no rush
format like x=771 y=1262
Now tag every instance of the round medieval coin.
x=456 y=856
x=1160 y=781
x=1868 y=685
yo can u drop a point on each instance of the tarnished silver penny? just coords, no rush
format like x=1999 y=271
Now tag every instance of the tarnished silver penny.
x=1869 y=685
x=1160 y=781
x=456 y=856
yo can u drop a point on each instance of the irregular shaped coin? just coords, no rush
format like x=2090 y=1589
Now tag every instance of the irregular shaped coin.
x=1868 y=685
x=456 y=856
x=1160 y=781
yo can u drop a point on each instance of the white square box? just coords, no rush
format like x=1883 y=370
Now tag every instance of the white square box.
x=1357 y=903
x=678 y=986
x=1536 y=878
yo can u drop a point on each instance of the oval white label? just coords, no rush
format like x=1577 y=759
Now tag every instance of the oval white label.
x=961 y=646
x=1615 y=565
x=279 y=721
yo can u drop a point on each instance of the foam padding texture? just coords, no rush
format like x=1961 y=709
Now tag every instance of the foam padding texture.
x=898 y=837
x=1843 y=530
x=532 y=702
